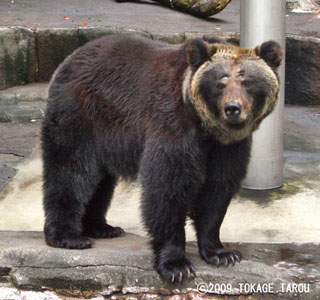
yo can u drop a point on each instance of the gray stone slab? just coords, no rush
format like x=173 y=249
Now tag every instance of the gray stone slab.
x=116 y=265
x=18 y=139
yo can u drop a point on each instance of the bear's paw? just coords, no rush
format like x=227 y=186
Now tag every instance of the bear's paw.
x=104 y=231
x=176 y=270
x=71 y=241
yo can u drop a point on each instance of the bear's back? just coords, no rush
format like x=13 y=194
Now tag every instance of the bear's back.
x=122 y=79
x=108 y=52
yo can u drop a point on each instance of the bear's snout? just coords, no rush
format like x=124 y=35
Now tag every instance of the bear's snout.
x=233 y=110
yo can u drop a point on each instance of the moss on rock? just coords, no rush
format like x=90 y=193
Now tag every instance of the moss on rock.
x=17 y=57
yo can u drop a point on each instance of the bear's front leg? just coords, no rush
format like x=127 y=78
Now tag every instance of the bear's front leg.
x=209 y=210
x=226 y=168
x=170 y=175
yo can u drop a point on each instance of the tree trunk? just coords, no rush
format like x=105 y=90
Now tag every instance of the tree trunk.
x=199 y=8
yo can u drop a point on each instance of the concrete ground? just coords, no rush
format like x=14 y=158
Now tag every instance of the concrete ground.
x=142 y=15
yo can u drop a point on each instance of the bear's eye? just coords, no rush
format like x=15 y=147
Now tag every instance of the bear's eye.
x=247 y=83
x=221 y=85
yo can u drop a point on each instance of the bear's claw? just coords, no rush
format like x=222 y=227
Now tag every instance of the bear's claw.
x=176 y=271
x=221 y=257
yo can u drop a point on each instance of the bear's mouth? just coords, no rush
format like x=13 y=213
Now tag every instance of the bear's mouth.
x=236 y=125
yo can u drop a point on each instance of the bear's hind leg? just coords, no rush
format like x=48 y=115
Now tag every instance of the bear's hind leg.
x=94 y=222
x=65 y=195
x=71 y=175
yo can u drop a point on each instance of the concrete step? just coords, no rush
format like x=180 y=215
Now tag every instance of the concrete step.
x=124 y=266
x=34 y=92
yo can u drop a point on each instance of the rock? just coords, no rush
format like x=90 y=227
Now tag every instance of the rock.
x=17 y=56
x=302 y=5
x=302 y=71
x=199 y=8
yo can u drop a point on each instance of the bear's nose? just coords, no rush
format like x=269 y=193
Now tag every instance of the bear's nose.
x=232 y=109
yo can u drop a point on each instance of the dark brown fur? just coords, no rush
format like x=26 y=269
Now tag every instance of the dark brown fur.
x=122 y=107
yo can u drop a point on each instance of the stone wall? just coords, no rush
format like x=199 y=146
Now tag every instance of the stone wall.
x=28 y=56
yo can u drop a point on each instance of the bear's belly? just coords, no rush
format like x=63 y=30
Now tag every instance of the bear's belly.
x=121 y=156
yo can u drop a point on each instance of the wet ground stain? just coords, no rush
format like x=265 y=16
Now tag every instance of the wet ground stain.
x=301 y=262
x=265 y=197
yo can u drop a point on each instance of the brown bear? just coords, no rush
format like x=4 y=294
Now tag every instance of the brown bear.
x=179 y=117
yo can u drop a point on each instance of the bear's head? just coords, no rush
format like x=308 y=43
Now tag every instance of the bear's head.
x=232 y=89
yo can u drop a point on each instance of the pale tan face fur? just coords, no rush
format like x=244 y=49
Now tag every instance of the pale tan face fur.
x=232 y=75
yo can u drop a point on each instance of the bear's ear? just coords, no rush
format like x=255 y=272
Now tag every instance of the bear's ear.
x=199 y=51
x=270 y=52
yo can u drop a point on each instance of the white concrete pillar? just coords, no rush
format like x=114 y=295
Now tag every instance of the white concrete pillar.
x=260 y=21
